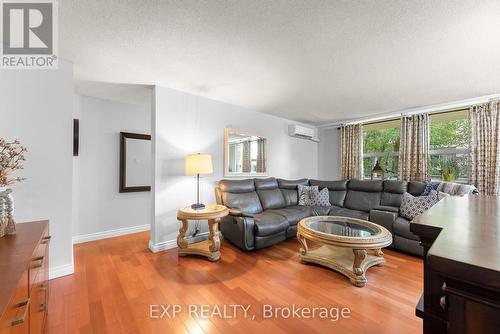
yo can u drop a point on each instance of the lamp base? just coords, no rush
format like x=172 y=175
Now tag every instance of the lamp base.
x=198 y=206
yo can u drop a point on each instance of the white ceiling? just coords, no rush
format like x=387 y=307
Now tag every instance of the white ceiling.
x=311 y=61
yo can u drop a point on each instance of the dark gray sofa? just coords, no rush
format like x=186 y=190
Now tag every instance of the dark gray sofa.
x=263 y=212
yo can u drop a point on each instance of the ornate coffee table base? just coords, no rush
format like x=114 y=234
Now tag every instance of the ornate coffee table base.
x=209 y=248
x=347 y=245
x=352 y=263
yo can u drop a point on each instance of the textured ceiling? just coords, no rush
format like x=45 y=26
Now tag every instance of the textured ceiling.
x=311 y=61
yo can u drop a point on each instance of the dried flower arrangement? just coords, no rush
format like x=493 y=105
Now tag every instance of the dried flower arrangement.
x=11 y=159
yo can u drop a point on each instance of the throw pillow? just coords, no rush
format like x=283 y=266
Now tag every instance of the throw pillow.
x=429 y=187
x=321 y=198
x=412 y=206
x=306 y=194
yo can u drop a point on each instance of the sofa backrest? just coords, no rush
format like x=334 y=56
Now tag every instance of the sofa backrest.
x=239 y=194
x=289 y=189
x=416 y=187
x=363 y=195
x=393 y=193
x=253 y=196
x=336 y=189
x=269 y=194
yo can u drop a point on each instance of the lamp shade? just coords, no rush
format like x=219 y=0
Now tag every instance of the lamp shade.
x=199 y=164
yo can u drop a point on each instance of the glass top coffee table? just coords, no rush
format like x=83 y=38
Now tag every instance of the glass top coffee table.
x=347 y=245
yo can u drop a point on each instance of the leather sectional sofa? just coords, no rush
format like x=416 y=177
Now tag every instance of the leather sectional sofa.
x=263 y=212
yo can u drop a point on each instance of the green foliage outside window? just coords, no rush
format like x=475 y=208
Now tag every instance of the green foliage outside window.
x=446 y=135
x=381 y=141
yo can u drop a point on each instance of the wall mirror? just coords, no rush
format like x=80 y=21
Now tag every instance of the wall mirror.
x=244 y=154
x=135 y=162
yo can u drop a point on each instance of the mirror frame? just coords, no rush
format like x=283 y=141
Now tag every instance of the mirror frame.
x=123 y=188
x=227 y=132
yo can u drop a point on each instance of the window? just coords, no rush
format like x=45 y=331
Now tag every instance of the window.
x=448 y=149
x=449 y=146
x=381 y=142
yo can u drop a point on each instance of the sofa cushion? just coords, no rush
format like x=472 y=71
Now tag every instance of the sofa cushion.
x=248 y=202
x=361 y=200
x=336 y=189
x=393 y=192
x=337 y=211
x=397 y=187
x=269 y=223
x=267 y=183
x=412 y=206
x=292 y=184
x=237 y=186
x=365 y=185
x=293 y=214
x=416 y=188
x=289 y=190
x=387 y=208
x=271 y=198
x=402 y=228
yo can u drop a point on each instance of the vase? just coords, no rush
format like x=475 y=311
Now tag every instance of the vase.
x=7 y=224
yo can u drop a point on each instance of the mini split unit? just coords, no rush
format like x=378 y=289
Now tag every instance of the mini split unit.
x=303 y=132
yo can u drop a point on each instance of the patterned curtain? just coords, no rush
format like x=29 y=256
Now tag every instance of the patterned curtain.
x=484 y=159
x=351 y=151
x=414 y=148
x=245 y=163
x=261 y=155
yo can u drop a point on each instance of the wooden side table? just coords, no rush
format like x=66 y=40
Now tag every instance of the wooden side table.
x=211 y=247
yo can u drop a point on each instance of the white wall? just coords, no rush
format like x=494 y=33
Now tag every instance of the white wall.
x=100 y=210
x=37 y=107
x=329 y=154
x=185 y=123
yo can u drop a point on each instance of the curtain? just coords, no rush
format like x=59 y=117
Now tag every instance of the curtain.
x=413 y=162
x=484 y=158
x=245 y=162
x=351 y=151
x=261 y=155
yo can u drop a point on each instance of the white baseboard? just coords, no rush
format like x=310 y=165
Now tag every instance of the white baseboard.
x=59 y=271
x=165 y=245
x=110 y=233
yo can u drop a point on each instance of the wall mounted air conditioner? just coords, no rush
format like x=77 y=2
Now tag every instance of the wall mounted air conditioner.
x=304 y=132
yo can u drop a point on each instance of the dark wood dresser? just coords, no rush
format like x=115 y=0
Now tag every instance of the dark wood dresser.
x=24 y=273
x=461 y=239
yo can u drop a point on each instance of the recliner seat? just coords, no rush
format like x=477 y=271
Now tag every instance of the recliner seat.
x=265 y=211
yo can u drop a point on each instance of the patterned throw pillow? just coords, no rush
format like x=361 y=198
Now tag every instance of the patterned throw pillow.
x=306 y=194
x=412 y=206
x=433 y=185
x=321 y=198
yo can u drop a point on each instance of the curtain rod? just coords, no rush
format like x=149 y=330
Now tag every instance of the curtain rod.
x=396 y=118
x=454 y=105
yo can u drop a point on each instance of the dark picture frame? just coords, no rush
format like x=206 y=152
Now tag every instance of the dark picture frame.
x=123 y=162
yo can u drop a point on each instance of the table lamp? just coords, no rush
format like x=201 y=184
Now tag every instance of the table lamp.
x=197 y=164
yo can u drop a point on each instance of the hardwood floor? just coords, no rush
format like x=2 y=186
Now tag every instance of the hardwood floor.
x=116 y=280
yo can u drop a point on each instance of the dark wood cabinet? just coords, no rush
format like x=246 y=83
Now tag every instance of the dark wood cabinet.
x=461 y=239
x=24 y=260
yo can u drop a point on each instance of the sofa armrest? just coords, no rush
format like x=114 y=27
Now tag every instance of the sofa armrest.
x=384 y=218
x=238 y=230
x=238 y=213
x=386 y=208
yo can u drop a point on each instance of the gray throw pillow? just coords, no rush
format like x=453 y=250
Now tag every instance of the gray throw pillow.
x=306 y=194
x=321 y=198
x=413 y=206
